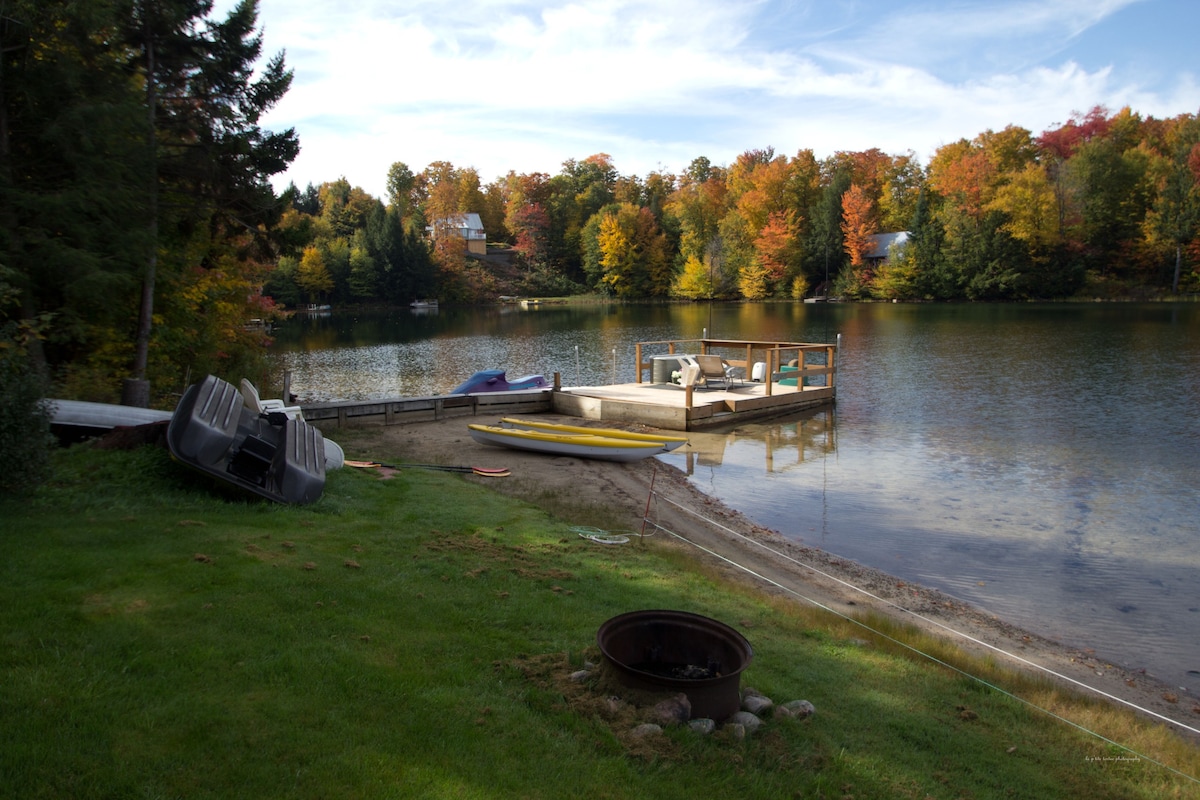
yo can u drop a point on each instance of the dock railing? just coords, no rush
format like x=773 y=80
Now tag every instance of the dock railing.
x=814 y=364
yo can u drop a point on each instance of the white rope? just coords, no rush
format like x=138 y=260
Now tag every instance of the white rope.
x=907 y=646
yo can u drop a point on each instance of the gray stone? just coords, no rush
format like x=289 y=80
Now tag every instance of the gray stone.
x=799 y=708
x=756 y=704
x=580 y=676
x=749 y=722
x=646 y=729
x=736 y=732
x=703 y=726
x=672 y=711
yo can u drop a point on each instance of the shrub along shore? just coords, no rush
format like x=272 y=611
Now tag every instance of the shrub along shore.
x=415 y=637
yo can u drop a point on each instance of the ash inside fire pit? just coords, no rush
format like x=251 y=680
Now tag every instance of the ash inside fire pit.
x=678 y=651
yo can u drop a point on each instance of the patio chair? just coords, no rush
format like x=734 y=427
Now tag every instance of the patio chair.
x=335 y=457
x=714 y=369
x=260 y=406
x=689 y=372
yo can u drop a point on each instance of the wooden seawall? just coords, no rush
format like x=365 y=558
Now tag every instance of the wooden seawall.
x=424 y=409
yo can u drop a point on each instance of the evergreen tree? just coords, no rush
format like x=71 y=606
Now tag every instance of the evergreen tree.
x=209 y=159
x=924 y=249
x=824 y=253
x=72 y=181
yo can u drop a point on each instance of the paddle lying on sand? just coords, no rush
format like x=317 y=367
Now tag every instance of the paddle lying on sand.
x=487 y=472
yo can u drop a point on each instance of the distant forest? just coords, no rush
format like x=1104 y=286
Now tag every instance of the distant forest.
x=1100 y=206
x=140 y=236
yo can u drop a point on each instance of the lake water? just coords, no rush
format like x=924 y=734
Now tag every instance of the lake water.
x=1041 y=462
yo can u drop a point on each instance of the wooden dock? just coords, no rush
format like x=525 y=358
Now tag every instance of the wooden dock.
x=809 y=381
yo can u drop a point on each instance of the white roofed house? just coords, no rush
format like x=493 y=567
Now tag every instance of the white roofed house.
x=881 y=247
x=467 y=226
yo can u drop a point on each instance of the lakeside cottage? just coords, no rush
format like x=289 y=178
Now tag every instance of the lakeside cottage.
x=882 y=244
x=467 y=226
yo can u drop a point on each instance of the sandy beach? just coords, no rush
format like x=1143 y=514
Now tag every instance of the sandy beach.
x=720 y=537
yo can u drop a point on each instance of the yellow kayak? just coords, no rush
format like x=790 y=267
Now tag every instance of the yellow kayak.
x=668 y=442
x=566 y=444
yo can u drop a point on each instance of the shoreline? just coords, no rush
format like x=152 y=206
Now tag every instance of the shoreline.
x=722 y=538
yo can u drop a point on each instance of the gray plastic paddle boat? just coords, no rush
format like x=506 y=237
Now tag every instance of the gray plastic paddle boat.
x=267 y=454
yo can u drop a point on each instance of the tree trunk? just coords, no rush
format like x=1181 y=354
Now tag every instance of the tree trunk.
x=136 y=391
x=1178 y=268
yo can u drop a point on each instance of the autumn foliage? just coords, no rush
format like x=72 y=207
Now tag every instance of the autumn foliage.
x=858 y=224
x=97 y=219
x=1104 y=204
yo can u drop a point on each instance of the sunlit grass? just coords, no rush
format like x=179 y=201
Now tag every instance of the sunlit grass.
x=158 y=638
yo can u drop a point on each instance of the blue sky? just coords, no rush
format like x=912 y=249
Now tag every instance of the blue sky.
x=503 y=85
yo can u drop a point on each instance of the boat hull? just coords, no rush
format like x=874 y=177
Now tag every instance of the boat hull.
x=269 y=455
x=577 y=445
x=495 y=380
x=76 y=420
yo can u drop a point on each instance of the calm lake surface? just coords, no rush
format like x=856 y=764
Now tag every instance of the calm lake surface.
x=1041 y=462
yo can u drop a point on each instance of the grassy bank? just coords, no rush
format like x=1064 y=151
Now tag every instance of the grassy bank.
x=412 y=637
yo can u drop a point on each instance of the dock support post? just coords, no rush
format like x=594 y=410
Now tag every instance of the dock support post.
x=836 y=355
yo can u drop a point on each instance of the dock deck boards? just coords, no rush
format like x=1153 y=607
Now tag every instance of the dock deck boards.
x=665 y=405
x=659 y=405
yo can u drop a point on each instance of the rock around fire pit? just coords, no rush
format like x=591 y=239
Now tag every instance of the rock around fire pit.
x=660 y=650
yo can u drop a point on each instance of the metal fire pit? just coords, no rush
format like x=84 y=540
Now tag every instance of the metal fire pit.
x=679 y=651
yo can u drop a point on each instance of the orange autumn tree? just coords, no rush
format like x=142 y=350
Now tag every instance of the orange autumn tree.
x=858 y=224
x=776 y=245
x=964 y=175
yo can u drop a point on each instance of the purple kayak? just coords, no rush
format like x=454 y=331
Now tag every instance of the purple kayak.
x=494 y=380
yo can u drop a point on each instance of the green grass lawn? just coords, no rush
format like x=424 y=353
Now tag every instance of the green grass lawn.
x=411 y=637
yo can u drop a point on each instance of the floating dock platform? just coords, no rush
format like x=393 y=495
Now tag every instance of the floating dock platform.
x=767 y=379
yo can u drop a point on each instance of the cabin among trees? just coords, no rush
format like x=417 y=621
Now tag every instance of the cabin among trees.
x=468 y=227
x=881 y=245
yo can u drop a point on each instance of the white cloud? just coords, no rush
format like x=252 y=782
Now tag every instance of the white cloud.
x=513 y=84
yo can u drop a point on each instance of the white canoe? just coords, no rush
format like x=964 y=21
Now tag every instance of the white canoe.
x=578 y=445
x=668 y=442
x=92 y=418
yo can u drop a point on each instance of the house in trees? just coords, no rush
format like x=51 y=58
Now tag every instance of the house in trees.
x=465 y=226
x=880 y=247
